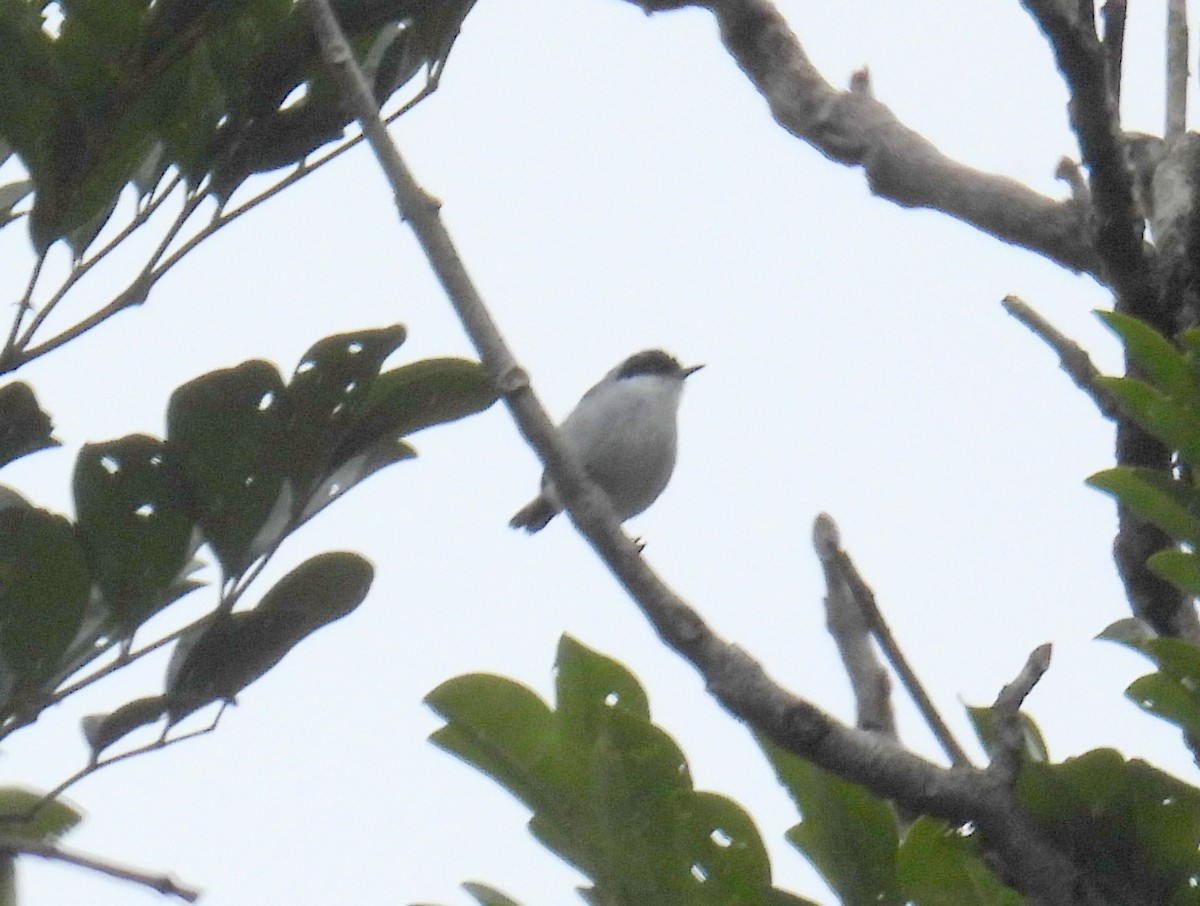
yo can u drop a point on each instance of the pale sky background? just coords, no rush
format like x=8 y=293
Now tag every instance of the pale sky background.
x=615 y=183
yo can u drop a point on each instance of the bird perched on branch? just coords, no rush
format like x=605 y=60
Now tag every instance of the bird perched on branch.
x=623 y=434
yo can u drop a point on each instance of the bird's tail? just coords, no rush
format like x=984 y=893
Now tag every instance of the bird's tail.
x=534 y=516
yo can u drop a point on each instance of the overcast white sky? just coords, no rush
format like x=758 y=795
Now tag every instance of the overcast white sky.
x=615 y=183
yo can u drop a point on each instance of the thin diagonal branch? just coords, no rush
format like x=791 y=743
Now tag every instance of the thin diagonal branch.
x=164 y=884
x=733 y=677
x=838 y=562
x=1071 y=357
x=851 y=632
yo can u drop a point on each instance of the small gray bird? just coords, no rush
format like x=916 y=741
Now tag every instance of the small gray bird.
x=623 y=434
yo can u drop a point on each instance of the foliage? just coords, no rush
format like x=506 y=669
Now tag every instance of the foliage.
x=579 y=764
x=118 y=93
x=610 y=792
x=247 y=460
x=178 y=101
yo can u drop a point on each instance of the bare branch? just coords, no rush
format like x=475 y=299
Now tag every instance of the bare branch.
x=1093 y=111
x=1113 y=13
x=1177 y=68
x=864 y=601
x=1071 y=357
x=164 y=884
x=852 y=128
x=1006 y=712
x=851 y=632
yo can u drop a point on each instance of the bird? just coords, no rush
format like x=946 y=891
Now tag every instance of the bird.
x=623 y=433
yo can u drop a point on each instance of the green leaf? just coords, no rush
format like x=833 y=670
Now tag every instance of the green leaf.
x=504 y=730
x=1180 y=568
x=587 y=686
x=777 y=897
x=488 y=896
x=328 y=392
x=221 y=659
x=414 y=397
x=29 y=80
x=1130 y=632
x=1175 y=423
x=848 y=834
x=638 y=785
x=10 y=196
x=1169 y=698
x=1167 y=502
x=44 y=587
x=227 y=429
x=1164 y=365
x=18 y=818
x=24 y=427
x=134 y=524
x=1125 y=821
x=1033 y=744
x=938 y=865
x=102 y=730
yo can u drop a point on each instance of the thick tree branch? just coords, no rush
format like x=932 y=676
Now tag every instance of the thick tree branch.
x=1177 y=68
x=1129 y=270
x=851 y=127
x=1093 y=111
x=959 y=794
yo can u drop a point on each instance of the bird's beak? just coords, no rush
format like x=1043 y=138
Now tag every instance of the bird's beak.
x=688 y=372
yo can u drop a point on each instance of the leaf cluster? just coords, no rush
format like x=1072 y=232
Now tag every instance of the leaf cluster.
x=96 y=95
x=247 y=459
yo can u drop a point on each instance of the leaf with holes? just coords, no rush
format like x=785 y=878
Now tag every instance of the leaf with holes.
x=417 y=396
x=610 y=792
x=1130 y=824
x=24 y=427
x=587 y=686
x=221 y=659
x=228 y=431
x=939 y=866
x=131 y=501
x=327 y=394
x=44 y=585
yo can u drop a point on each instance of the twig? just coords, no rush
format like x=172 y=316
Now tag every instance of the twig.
x=1009 y=738
x=1177 y=68
x=80 y=270
x=851 y=631
x=1113 y=13
x=24 y=304
x=164 y=884
x=864 y=599
x=1071 y=357
x=137 y=290
x=98 y=764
